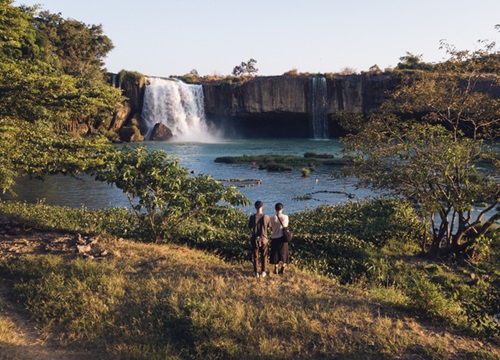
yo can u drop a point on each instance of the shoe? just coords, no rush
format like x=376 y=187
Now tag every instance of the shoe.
x=263 y=274
x=276 y=270
x=282 y=270
x=255 y=274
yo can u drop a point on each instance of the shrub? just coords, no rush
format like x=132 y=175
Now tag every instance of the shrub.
x=430 y=298
x=340 y=256
x=113 y=221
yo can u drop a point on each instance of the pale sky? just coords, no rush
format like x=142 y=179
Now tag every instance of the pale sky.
x=173 y=37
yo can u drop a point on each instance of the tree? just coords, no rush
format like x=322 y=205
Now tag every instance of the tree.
x=79 y=48
x=415 y=148
x=456 y=94
x=162 y=194
x=39 y=102
x=17 y=36
x=247 y=68
x=38 y=81
x=413 y=62
x=35 y=150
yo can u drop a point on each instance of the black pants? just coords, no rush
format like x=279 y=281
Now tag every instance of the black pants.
x=279 y=251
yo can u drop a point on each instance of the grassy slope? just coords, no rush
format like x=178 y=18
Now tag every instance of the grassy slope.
x=166 y=301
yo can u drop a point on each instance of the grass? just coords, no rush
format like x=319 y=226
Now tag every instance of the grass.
x=166 y=301
x=273 y=162
x=354 y=291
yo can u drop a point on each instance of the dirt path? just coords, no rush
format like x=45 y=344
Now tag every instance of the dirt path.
x=23 y=340
x=19 y=338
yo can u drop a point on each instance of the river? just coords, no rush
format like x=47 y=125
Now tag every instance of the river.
x=276 y=187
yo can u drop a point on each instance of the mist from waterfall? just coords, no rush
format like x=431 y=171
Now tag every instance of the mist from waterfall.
x=319 y=109
x=179 y=106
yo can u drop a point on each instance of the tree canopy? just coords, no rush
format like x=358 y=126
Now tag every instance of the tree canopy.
x=246 y=68
x=417 y=148
x=51 y=80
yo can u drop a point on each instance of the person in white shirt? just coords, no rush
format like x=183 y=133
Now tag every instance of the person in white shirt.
x=279 y=243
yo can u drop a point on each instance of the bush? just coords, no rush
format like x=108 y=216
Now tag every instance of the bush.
x=113 y=221
x=340 y=256
x=305 y=172
x=375 y=221
x=430 y=298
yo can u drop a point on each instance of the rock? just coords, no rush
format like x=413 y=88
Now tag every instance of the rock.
x=123 y=111
x=130 y=134
x=82 y=249
x=161 y=132
x=79 y=239
x=280 y=106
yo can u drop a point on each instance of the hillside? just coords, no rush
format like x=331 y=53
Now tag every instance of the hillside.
x=146 y=301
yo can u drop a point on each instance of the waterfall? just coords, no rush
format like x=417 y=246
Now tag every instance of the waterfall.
x=319 y=115
x=177 y=105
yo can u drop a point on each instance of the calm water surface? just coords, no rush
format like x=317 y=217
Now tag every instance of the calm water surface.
x=199 y=157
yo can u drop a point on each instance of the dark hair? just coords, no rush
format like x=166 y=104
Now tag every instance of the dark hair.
x=259 y=204
x=278 y=206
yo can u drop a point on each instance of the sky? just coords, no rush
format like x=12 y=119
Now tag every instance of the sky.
x=173 y=37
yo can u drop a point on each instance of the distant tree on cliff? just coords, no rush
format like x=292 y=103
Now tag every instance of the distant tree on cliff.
x=412 y=62
x=416 y=149
x=246 y=68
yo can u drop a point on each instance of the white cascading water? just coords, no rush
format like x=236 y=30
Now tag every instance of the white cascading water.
x=319 y=110
x=177 y=105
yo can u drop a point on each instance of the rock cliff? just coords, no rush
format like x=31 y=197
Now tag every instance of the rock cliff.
x=281 y=106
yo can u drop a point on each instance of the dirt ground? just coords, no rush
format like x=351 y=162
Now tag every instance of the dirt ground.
x=19 y=337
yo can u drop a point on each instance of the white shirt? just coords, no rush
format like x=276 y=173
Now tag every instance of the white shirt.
x=277 y=228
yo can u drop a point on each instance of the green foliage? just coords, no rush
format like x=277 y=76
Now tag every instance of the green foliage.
x=305 y=172
x=274 y=162
x=79 y=48
x=163 y=194
x=130 y=79
x=17 y=36
x=429 y=298
x=51 y=69
x=35 y=150
x=376 y=221
x=343 y=257
x=425 y=157
x=114 y=221
x=454 y=93
x=339 y=240
x=426 y=164
x=52 y=83
x=413 y=62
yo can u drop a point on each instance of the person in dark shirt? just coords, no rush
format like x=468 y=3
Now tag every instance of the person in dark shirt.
x=259 y=224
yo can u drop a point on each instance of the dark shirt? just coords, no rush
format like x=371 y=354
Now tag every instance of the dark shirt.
x=259 y=224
